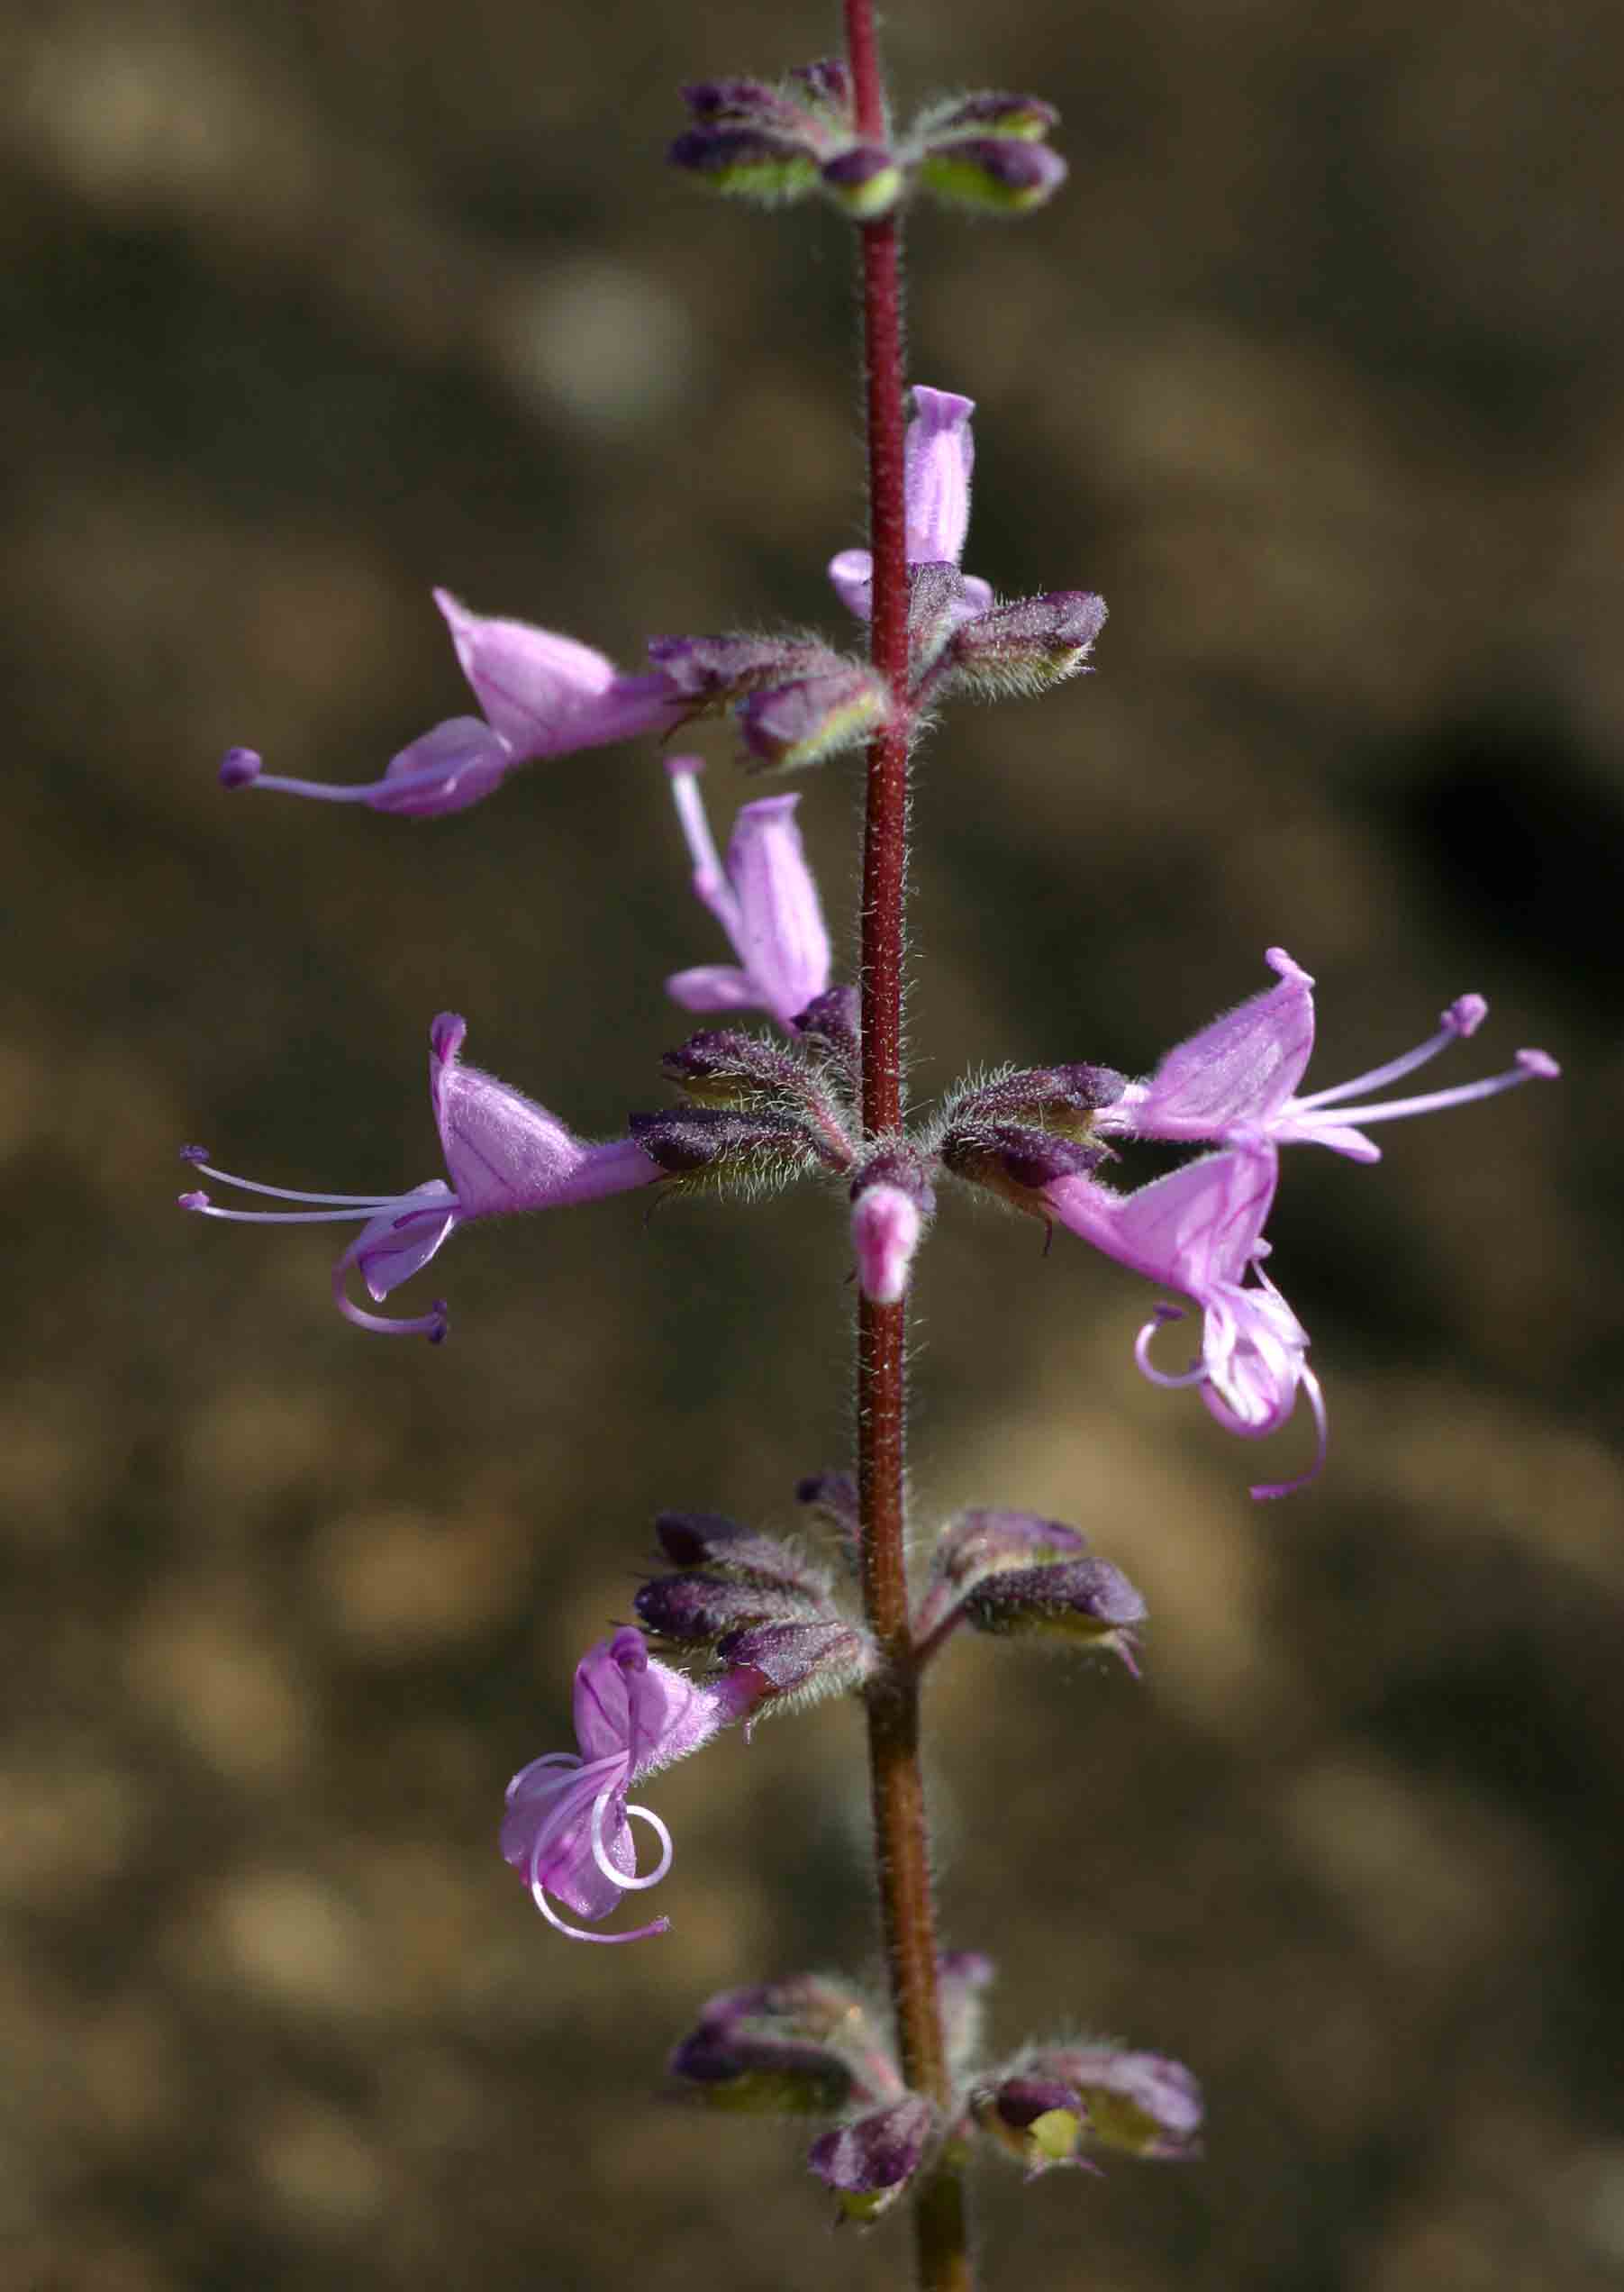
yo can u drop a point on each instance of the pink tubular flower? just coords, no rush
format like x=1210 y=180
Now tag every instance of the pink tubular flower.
x=1200 y=1229
x=940 y=453
x=504 y=1153
x=543 y=695
x=1233 y=1081
x=567 y=1828
x=766 y=901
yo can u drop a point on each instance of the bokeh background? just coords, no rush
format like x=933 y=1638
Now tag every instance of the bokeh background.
x=1315 y=372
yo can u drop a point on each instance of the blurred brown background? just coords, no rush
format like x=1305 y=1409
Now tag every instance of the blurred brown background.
x=1315 y=372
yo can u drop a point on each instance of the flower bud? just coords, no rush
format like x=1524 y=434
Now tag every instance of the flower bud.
x=1085 y=1600
x=831 y=1021
x=1014 y=1161
x=714 y=671
x=989 y=112
x=825 y=87
x=817 y=2006
x=747 y=100
x=722 y=1066
x=733 y=2068
x=801 y=1661
x=706 y=1539
x=1142 y=2103
x=1036 y=643
x=747 y=162
x=1059 y=1097
x=940 y=600
x=870 y=2162
x=864 y=182
x=885 y=1230
x=988 y=1542
x=1040 y=2121
x=815 y=717
x=992 y=174
x=892 y=1202
x=711 y=1145
x=696 y=1610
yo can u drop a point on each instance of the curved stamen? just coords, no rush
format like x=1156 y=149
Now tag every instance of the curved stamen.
x=580 y=1933
x=198 y=1158
x=433 y=1325
x=548 y=1758
x=1532 y=1066
x=1316 y=1401
x=1465 y=1016
x=645 y=1813
x=1197 y=1375
x=402 y=784
x=202 y=1206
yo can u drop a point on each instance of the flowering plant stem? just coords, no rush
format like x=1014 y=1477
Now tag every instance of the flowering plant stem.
x=901 y=1835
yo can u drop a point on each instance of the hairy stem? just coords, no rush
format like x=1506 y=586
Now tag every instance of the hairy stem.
x=901 y=1828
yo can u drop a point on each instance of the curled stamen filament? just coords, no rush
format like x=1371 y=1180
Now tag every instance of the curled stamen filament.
x=603 y=1777
x=1263 y=1490
x=1166 y=1378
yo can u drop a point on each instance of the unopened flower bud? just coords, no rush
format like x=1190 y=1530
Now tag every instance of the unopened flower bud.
x=1059 y=1097
x=893 y=1201
x=817 y=2006
x=864 y=182
x=1142 y=2103
x=992 y=174
x=711 y=1145
x=733 y=2068
x=986 y=1543
x=885 y=1230
x=815 y=717
x=1082 y=1600
x=825 y=87
x=747 y=162
x=801 y=1661
x=940 y=600
x=752 y=100
x=1040 y=2121
x=707 y=1540
x=714 y=671
x=831 y=1020
x=1014 y=1161
x=870 y=2162
x=990 y=112
x=1037 y=642
x=722 y=1065
x=696 y=1610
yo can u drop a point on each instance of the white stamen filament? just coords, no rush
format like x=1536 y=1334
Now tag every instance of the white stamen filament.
x=362 y=1205
x=1430 y=1102
x=645 y=1815
x=1376 y=1078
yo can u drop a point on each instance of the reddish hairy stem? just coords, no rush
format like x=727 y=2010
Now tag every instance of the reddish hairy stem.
x=901 y=1829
